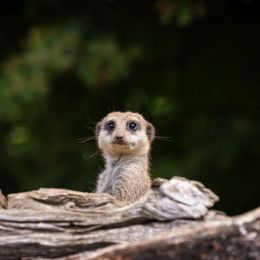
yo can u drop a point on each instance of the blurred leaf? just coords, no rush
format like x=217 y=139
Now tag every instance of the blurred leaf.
x=19 y=135
x=183 y=11
x=105 y=62
x=184 y=16
x=162 y=106
x=47 y=51
x=26 y=75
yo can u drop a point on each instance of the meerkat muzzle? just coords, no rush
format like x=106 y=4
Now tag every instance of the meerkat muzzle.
x=119 y=140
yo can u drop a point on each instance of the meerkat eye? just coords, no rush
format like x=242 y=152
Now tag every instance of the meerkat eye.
x=110 y=125
x=132 y=126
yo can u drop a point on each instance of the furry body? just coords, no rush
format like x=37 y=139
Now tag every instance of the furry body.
x=125 y=141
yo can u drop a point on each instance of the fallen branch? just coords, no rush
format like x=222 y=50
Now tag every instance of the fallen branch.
x=228 y=238
x=64 y=224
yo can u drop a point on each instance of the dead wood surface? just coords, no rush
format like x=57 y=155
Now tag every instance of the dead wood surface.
x=229 y=238
x=65 y=224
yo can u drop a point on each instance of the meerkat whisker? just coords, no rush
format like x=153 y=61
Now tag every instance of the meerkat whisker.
x=164 y=138
x=85 y=139
x=89 y=127
x=92 y=128
x=94 y=155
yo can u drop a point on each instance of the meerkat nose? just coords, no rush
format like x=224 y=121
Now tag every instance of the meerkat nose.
x=119 y=138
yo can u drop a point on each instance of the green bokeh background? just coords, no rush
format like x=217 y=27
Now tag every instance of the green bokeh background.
x=190 y=67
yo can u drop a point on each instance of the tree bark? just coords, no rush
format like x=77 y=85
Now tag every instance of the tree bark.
x=171 y=220
x=228 y=238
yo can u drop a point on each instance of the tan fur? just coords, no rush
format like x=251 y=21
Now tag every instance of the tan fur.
x=126 y=170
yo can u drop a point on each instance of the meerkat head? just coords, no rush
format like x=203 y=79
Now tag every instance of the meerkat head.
x=124 y=133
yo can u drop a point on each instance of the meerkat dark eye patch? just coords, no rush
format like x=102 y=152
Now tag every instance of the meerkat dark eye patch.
x=133 y=125
x=110 y=125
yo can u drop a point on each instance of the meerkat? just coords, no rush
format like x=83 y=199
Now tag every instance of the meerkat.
x=125 y=140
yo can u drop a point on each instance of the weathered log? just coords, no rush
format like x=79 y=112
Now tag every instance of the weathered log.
x=56 y=223
x=230 y=238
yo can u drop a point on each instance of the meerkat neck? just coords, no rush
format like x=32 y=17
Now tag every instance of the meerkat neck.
x=115 y=160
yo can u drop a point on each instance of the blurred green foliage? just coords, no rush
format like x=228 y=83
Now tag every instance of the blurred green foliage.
x=191 y=67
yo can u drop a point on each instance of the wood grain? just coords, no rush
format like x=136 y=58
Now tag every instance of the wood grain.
x=58 y=223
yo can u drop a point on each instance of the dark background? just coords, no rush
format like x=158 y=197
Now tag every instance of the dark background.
x=190 y=67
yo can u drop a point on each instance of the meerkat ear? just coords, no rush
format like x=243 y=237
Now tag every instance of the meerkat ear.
x=97 y=129
x=150 y=131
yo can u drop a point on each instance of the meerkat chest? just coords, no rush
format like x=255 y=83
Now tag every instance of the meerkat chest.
x=120 y=171
x=114 y=172
x=110 y=175
x=124 y=170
